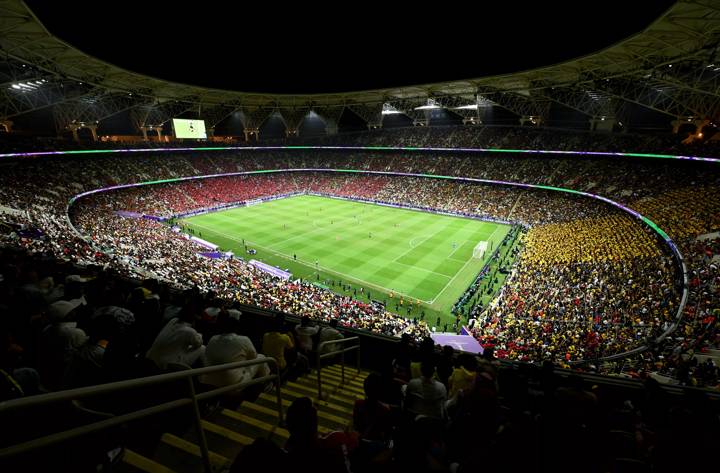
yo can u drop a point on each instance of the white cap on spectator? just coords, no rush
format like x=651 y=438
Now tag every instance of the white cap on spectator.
x=57 y=311
x=75 y=278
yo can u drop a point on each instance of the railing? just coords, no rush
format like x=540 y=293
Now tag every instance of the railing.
x=341 y=352
x=112 y=420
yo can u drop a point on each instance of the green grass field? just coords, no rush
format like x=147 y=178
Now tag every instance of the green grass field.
x=416 y=255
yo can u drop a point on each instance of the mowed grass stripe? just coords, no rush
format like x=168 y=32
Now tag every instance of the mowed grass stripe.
x=390 y=280
x=302 y=268
x=409 y=252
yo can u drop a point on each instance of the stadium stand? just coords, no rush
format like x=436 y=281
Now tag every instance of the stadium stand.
x=577 y=291
x=126 y=346
x=165 y=200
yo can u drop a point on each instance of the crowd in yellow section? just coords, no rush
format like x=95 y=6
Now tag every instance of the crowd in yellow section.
x=589 y=240
x=571 y=312
x=578 y=252
x=683 y=212
x=582 y=288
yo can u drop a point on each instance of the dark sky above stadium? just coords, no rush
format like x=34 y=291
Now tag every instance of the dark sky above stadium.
x=311 y=47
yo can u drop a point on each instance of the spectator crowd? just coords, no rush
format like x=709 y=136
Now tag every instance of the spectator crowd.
x=590 y=282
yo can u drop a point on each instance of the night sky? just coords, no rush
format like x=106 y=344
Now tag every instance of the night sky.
x=343 y=46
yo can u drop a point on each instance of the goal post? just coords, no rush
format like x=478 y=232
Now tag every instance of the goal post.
x=479 y=250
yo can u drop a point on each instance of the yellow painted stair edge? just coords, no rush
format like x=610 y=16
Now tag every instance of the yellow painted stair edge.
x=189 y=447
x=143 y=463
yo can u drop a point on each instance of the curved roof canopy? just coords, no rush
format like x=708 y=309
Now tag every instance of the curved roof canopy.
x=668 y=67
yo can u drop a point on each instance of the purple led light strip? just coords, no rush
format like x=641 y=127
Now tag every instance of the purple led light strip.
x=673 y=247
x=466 y=179
x=362 y=148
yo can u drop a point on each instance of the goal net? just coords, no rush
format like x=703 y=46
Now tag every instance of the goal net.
x=479 y=250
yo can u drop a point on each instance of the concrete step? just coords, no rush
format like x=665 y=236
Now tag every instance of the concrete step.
x=134 y=462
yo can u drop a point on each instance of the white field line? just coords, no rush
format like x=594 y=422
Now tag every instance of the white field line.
x=283 y=242
x=280 y=244
x=315 y=224
x=352 y=278
x=413 y=247
x=311 y=265
x=450 y=281
x=425 y=238
x=493 y=233
x=457 y=247
x=423 y=269
x=461 y=270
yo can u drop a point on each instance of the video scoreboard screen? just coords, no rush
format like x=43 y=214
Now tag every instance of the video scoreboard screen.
x=189 y=128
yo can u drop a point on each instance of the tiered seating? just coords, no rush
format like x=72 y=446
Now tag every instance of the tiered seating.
x=228 y=430
x=680 y=197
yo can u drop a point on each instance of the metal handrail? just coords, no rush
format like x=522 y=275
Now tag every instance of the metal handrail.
x=321 y=355
x=189 y=374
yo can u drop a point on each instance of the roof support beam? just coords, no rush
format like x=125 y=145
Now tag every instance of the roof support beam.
x=371 y=113
x=293 y=118
x=331 y=117
x=527 y=106
x=93 y=108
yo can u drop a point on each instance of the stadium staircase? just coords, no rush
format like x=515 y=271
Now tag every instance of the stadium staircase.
x=227 y=431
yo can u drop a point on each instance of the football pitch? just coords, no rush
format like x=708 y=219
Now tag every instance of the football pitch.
x=419 y=256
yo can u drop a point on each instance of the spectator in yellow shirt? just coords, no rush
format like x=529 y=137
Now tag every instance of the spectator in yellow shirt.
x=276 y=342
x=463 y=378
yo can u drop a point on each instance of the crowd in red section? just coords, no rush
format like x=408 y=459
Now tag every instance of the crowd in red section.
x=36 y=219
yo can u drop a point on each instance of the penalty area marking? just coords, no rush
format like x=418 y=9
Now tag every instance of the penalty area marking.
x=352 y=278
x=461 y=269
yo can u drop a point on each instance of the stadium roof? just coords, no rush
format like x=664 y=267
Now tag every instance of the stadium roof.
x=669 y=67
x=376 y=47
